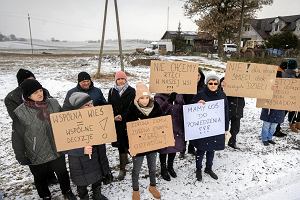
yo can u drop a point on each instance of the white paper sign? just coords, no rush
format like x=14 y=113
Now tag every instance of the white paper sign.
x=201 y=121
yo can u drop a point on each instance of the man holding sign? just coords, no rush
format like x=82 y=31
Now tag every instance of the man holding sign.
x=209 y=144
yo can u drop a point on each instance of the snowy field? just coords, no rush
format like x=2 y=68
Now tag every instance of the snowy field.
x=254 y=172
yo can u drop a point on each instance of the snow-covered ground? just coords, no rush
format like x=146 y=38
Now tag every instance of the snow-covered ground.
x=254 y=172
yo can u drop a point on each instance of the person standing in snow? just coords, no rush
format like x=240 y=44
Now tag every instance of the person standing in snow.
x=171 y=104
x=84 y=163
x=121 y=96
x=188 y=100
x=86 y=85
x=211 y=144
x=236 y=109
x=12 y=101
x=144 y=107
x=38 y=141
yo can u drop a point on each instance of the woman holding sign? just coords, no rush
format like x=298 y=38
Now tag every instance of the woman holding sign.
x=211 y=144
x=38 y=140
x=144 y=107
x=171 y=104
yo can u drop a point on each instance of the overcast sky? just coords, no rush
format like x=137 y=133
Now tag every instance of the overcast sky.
x=79 y=20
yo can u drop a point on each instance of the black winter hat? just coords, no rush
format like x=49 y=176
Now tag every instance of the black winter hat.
x=78 y=99
x=24 y=74
x=292 y=64
x=29 y=86
x=83 y=76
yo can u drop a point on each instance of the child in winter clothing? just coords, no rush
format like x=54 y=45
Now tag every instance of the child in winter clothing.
x=171 y=104
x=120 y=97
x=144 y=107
x=38 y=140
x=271 y=118
x=84 y=163
x=211 y=144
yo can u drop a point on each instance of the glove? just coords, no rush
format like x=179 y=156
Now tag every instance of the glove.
x=172 y=97
x=24 y=161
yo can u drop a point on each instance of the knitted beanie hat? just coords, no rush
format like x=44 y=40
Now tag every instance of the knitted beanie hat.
x=24 y=74
x=120 y=74
x=83 y=76
x=29 y=86
x=141 y=90
x=78 y=99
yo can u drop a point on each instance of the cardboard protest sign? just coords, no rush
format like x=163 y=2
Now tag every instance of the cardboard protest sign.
x=249 y=80
x=83 y=127
x=173 y=76
x=201 y=121
x=150 y=134
x=286 y=96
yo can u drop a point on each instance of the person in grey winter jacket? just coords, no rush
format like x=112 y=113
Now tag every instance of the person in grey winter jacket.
x=86 y=85
x=121 y=96
x=38 y=141
x=211 y=144
x=12 y=100
x=84 y=163
x=171 y=104
x=236 y=109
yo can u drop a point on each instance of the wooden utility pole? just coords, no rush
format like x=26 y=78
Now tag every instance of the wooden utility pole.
x=119 y=36
x=30 y=34
x=241 y=27
x=97 y=75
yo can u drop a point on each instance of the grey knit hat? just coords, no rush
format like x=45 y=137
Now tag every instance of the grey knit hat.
x=78 y=99
x=211 y=76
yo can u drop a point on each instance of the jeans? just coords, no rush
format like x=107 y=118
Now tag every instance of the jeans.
x=209 y=159
x=137 y=165
x=268 y=129
x=40 y=174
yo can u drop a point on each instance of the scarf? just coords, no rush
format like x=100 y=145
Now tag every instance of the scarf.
x=121 y=89
x=145 y=110
x=41 y=106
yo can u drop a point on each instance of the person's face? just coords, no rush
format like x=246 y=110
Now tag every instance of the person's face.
x=199 y=76
x=144 y=100
x=87 y=105
x=37 y=95
x=212 y=85
x=120 y=81
x=85 y=84
x=223 y=83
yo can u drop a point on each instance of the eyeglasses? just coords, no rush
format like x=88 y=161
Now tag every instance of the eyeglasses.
x=213 y=84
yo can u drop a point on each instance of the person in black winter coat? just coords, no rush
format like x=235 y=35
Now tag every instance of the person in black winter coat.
x=144 y=107
x=188 y=100
x=84 y=163
x=211 y=144
x=86 y=85
x=236 y=109
x=121 y=96
x=39 y=146
x=12 y=101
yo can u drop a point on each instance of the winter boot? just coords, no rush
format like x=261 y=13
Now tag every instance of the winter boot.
x=279 y=134
x=293 y=127
x=136 y=195
x=171 y=169
x=199 y=175
x=211 y=173
x=155 y=193
x=69 y=195
x=122 y=172
x=298 y=125
x=164 y=172
x=181 y=155
x=97 y=193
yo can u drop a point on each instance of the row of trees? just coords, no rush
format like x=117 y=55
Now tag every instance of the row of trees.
x=223 y=18
x=10 y=37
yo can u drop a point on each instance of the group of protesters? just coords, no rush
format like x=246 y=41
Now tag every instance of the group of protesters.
x=30 y=106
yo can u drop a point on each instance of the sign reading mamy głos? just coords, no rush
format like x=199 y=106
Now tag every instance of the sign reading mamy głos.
x=286 y=96
x=173 y=76
x=150 y=134
x=250 y=80
x=83 y=127
x=204 y=120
